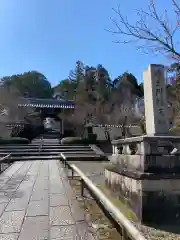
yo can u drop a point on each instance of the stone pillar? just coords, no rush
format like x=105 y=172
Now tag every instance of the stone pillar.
x=145 y=171
x=155 y=100
x=62 y=126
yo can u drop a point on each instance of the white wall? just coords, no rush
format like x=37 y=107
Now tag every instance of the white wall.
x=52 y=124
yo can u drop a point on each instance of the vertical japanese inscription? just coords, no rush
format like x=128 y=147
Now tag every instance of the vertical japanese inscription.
x=155 y=100
x=159 y=95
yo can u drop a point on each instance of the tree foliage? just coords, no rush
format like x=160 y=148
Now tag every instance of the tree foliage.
x=30 y=84
x=77 y=75
x=66 y=89
x=97 y=97
x=9 y=111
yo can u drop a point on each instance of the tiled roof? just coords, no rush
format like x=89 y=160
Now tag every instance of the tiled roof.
x=45 y=103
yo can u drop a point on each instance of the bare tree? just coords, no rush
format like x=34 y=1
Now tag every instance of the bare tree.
x=9 y=111
x=152 y=30
x=78 y=117
x=100 y=113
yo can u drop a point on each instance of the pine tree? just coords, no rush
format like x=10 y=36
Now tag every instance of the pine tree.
x=77 y=75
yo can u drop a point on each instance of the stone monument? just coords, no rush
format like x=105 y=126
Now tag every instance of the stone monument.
x=145 y=171
x=155 y=101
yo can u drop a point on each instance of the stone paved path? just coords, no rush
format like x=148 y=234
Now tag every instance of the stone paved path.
x=37 y=203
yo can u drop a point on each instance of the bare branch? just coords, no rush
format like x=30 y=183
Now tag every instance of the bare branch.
x=159 y=37
x=177 y=7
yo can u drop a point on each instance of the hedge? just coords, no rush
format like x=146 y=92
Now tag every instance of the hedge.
x=79 y=140
x=92 y=137
x=71 y=140
x=175 y=131
x=29 y=131
x=14 y=140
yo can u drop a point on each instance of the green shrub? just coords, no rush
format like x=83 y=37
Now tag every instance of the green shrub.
x=175 y=131
x=69 y=133
x=92 y=137
x=71 y=140
x=28 y=131
x=177 y=123
x=79 y=140
x=87 y=141
x=14 y=140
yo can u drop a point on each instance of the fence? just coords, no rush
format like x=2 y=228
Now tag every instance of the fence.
x=5 y=162
x=125 y=228
x=115 y=130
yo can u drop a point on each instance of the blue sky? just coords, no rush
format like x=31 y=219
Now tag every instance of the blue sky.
x=51 y=35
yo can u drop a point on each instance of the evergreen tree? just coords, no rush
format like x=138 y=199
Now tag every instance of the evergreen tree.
x=104 y=83
x=66 y=89
x=32 y=84
x=77 y=75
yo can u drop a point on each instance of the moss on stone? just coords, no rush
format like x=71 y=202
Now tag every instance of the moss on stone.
x=111 y=167
x=118 y=203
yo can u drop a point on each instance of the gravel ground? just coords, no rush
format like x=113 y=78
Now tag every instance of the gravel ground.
x=99 y=224
x=4 y=166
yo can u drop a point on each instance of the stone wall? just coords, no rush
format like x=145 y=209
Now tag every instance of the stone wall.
x=115 y=132
x=127 y=189
x=151 y=200
x=145 y=171
x=147 y=154
x=145 y=174
x=4 y=130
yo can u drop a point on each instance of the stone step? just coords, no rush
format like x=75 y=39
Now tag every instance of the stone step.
x=44 y=145
x=65 y=146
x=35 y=157
x=44 y=153
x=82 y=157
x=49 y=140
x=46 y=140
x=34 y=145
x=45 y=150
x=34 y=153
x=80 y=153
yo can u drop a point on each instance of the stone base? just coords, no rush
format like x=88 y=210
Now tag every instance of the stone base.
x=148 y=154
x=153 y=201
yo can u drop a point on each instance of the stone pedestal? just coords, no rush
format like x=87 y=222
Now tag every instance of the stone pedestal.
x=145 y=174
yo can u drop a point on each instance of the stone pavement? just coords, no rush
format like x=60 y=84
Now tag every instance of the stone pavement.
x=37 y=203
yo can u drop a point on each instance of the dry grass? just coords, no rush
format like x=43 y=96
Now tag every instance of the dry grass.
x=118 y=203
x=100 y=226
